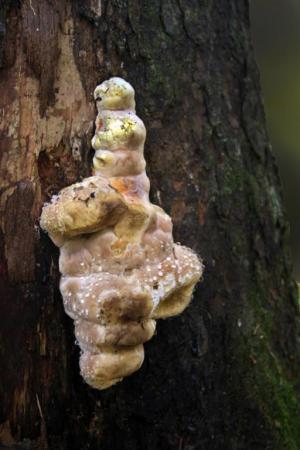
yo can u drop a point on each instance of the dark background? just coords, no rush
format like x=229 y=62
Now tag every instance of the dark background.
x=276 y=37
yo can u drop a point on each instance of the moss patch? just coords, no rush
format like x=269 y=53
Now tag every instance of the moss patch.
x=269 y=384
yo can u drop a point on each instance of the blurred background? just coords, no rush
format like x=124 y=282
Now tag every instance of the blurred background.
x=276 y=37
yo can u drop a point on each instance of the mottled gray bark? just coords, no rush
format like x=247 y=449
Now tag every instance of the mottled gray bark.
x=224 y=374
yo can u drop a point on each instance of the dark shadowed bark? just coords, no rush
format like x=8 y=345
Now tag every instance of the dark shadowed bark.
x=224 y=374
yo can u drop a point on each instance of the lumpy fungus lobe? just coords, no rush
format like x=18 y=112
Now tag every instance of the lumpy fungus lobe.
x=121 y=269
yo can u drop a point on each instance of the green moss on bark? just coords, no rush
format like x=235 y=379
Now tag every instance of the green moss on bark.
x=263 y=379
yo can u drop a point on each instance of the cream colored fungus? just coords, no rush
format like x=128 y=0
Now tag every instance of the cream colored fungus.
x=120 y=267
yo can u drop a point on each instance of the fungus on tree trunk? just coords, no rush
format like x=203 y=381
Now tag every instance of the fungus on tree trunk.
x=120 y=267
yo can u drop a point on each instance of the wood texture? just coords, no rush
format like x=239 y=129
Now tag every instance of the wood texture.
x=224 y=374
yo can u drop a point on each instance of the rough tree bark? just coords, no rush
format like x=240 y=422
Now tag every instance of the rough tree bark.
x=224 y=374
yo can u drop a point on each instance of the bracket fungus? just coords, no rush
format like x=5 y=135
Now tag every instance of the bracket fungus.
x=121 y=269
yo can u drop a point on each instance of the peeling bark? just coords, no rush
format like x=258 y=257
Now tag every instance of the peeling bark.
x=227 y=377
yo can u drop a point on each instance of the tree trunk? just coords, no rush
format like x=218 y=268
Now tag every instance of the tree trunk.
x=223 y=375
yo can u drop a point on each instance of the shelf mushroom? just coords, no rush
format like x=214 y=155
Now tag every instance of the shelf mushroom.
x=121 y=270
